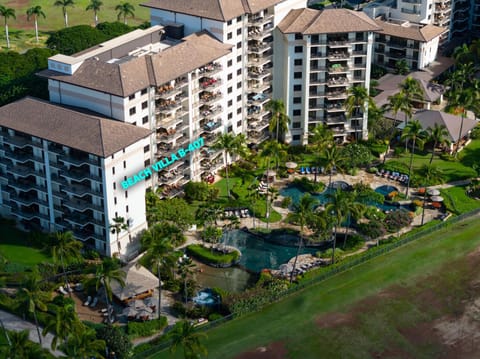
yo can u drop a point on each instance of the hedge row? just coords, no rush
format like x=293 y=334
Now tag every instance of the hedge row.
x=212 y=256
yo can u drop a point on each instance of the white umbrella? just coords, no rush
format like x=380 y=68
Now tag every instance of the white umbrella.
x=291 y=165
x=433 y=192
x=436 y=198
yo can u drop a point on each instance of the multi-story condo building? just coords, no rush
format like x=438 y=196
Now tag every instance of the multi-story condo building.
x=475 y=18
x=248 y=26
x=402 y=40
x=322 y=54
x=61 y=169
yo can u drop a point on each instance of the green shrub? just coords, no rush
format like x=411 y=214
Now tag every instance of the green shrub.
x=212 y=256
x=179 y=308
x=396 y=220
x=286 y=201
x=214 y=316
x=328 y=254
x=113 y=29
x=372 y=229
x=196 y=191
x=373 y=170
x=475 y=133
x=145 y=329
x=307 y=185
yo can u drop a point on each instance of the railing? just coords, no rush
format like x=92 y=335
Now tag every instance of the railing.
x=410 y=11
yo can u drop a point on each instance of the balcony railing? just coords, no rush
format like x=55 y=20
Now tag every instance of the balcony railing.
x=337 y=43
x=210 y=70
x=210 y=83
x=338 y=69
x=410 y=11
x=79 y=161
x=81 y=205
x=212 y=126
x=338 y=55
x=168 y=106
x=17 y=141
x=336 y=94
x=337 y=81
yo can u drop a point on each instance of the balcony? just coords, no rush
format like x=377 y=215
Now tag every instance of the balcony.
x=258 y=48
x=258 y=125
x=258 y=86
x=76 y=161
x=24 y=185
x=260 y=61
x=80 y=175
x=410 y=11
x=22 y=156
x=169 y=122
x=167 y=91
x=212 y=111
x=340 y=94
x=81 y=219
x=334 y=120
x=258 y=99
x=29 y=215
x=26 y=200
x=210 y=70
x=315 y=80
x=210 y=83
x=260 y=20
x=412 y=1
x=168 y=106
x=23 y=171
x=337 y=81
x=169 y=135
x=210 y=139
x=210 y=153
x=18 y=141
x=315 y=68
x=335 y=107
x=208 y=98
x=257 y=137
x=81 y=205
x=207 y=165
x=337 y=68
x=338 y=55
x=211 y=126
x=171 y=178
x=336 y=43
x=80 y=190
x=317 y=55
x=398 y=44
x=84 y=235
x=259 y=73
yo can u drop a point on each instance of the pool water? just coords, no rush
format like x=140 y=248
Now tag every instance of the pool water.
x=296 y=193
x=205 y=297
x=386 y=189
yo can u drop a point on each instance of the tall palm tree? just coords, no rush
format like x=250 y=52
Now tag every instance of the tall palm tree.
x=415 y=133
x=231 y=145
x=7 y=13
x=412 y=91
x=302 y=212
x=158 y=256
x=337 y=206
x=357 y=103
x=22 y=348
x=353 y=208
x=428 y=173
x=65 y=248
x=95 y=6
x=64 y=323
x=462 y=54
x=377 y=127
x=185 y=270
x=108 y=271
x=84 y=345
x=184 y=335
x=64 y=4
x=320 y=138
x=439 y=136
x=333 y=160
x=36 y=12
x=117 y=227
x=275 y=151
x=125 y=9
x=33 y=297
x=279 y=121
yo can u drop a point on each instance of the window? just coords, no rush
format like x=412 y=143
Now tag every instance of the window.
x=113 y=170
x=144 y=105
x=146 y=163
x=230 y=89
x=146 y=149
x=297 y=87
x=297 y=125
x=131 y=97
x=124 y=164
x=114 y=200
x=134 y=123
x=126 y=194
x=229 y=129
x=144 y=119
x=123 y=150
x=239 y=72
x=126 y=210
x=230 y=103
x=144 y=91
x=239 y=45
x=298 y=62
x=239 y=111
x=133 y=111
x=230 y=115
x=114 y=185
x=230 y=76
x=239 y=123
x=298 y=49
x=239 y=18
x=113 y=156
x=229 y=22
x=116 y=214
x=229 y=63
x=358 y=60
x=239 y=98
x=239 y=31
x=239 y=58
x=296 y=137
x=229 y=36
x=297 y=100
x=239 y=85
x=297 y=112
x=297 y=75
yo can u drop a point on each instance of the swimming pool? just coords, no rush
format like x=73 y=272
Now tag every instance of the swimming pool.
x=296 y=192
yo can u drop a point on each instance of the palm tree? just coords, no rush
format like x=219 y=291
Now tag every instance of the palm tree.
x=333 y=161
x=64 y=4
x=64 y=323
x=321 y=137
x=185 y=270
x=84 y=345
x=279 y=121
x=354 y=208
x=230 y=145
x=106 y=272
x=337 y=206
x=159 y=254
x=428 y=172
x=185 y=335
x=7 y=13
x=401 y=67
x=36 y=12
x=33 y=297
x=22 y=348
x=125 y=9
x=117 y=227
x=357 y=103
x=65 y=248
x=95 y=6
x=302 y=212
x=439 y=136
x=416 y=134
x=411 y=90
x=377 y=124
x=275 y=151
x=462 y=54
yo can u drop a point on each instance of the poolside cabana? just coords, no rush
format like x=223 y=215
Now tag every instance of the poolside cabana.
x=269 y=176
x=139 y=283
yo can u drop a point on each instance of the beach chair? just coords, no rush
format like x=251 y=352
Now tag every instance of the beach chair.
x=94 y=302
x=307 y=170
x=62 y=290
x=87 y=302
x=302 y=170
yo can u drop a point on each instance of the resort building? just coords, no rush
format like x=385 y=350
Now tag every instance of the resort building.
x=322 y=54
x=61 y=169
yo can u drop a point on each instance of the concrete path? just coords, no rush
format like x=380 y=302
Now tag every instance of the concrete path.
x=17 y=324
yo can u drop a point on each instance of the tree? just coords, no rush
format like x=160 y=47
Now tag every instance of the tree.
x=439 y=136
x=64 y=4
x=275 y=151
x=64 y=323
x=173 y=211
x=107 y=271
x=184 y=335
x=159 y=254
x=378 y=126
x=462 y=54
x=22 y=348
x=429 y=172
x=65 y=249
x=84 y=345
x=279 y=121
x=321 y=137
x=185 y=270
x=399 y=103
x=357 y=103
x=125 y=9
x=33 y=297
x=231 y=145
x=357 y=154
x=352 y=207
x=36 y=12
x=116 y=340
x=401 y=67
x=413 y=132
x=117 y=227
x=337 y=206
x=333 y=161
x=7 y=13
x=302 y=212
x=95 y=6
x=411 y=90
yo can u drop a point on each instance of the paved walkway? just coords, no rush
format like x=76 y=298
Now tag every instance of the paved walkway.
x=17 y=324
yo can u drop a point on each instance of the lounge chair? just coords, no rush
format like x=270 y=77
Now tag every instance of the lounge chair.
x=302 y=170
x=308 y=170
x=94 y=302
x=87 y=302
x=314 y=170
x=62 y=290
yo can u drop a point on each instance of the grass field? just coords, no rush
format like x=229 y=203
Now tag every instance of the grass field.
x=22 y=35
x=295 y=320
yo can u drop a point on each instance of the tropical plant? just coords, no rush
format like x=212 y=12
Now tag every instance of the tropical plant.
x=411 y=90
x=84 y=345
x=275 y=151
x=357 y=103
x=333 y=161
x=378 y=125
x=117 y=227
x=231 y=145
x=320 y=138
x=95 y=6
x=337 y=206
x=462 y=54
x=125 y=9
x=415 y=133
x=352 y=208
x=399 y=103
x=185 y=270
x=20 y=347
x=358 y=155
x=116 y=340
x=65 y=249
x=108 y=271
x=184 y=335
x=439 y=136
x=7 y=13
x=279 y=121
x=64 y=4
x=401 y=67
x=35 y=12
x=62 y=324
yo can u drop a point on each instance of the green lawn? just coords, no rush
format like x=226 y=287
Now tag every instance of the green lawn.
x=22 y=33
x=292 y=320
x=17 y=249
x=457 y=201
